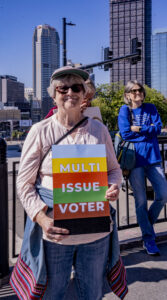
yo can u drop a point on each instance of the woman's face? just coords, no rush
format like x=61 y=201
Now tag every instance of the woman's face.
x=69 y=94
x=136 y=96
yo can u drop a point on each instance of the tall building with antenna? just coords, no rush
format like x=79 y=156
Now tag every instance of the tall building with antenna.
x=46 y=58
x=130 y=19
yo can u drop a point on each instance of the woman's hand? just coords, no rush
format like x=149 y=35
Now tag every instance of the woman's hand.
x=112 y=193
x=53 y=233
x=135 y=128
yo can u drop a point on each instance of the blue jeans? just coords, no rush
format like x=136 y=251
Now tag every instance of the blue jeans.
x=89 y=261
x=147 y=217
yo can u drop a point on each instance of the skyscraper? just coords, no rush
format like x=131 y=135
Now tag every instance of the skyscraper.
x=11 y=90
x=130 y=19
x=159 y=62
x=46 y=58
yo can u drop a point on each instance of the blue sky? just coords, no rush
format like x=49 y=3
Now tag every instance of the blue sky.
x=18 y=19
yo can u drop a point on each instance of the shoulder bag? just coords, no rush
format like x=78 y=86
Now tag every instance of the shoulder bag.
x=125 y=152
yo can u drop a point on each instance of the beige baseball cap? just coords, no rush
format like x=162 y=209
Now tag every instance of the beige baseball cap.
x=69 y=70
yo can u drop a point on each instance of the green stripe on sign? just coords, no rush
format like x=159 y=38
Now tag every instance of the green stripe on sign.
x=76 y=197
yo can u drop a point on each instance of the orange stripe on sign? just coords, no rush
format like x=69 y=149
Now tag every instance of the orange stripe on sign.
x=81 y=210
x=59 y=179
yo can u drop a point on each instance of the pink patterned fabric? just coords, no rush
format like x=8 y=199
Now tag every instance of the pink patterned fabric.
x=117 y=279
x=24 y=284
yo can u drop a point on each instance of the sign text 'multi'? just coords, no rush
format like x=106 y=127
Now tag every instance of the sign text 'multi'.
x=89 y=167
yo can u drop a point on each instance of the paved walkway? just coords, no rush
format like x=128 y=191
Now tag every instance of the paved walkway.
x=146 y=275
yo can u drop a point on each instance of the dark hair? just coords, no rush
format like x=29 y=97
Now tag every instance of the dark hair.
x=128 y=88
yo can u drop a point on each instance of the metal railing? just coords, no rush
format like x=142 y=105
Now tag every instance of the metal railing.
x=125 y=211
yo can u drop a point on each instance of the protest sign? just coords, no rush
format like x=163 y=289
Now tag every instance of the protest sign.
x=79 y=186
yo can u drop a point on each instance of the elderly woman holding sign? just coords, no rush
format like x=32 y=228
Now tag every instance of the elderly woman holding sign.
x=53 y=250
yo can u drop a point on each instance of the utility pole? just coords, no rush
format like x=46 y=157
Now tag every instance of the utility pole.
x=4 y=245
x=64 y=40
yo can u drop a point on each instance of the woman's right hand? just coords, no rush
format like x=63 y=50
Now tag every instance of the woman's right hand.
x=53 y=233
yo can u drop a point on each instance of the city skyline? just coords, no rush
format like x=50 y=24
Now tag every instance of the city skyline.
x=18 y=20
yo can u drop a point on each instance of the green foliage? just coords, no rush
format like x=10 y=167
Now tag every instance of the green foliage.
x=16 y=134
x=109 y=98
x=155 y=97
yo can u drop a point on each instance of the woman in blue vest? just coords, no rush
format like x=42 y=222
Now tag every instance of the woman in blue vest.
x=142 y=129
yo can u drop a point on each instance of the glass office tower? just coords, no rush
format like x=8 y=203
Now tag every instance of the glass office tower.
x=159 y=62
x=130 y=19
x=46 y=58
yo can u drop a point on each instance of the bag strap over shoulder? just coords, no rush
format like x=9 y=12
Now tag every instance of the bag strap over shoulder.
x=63 y=137
x=70 y=131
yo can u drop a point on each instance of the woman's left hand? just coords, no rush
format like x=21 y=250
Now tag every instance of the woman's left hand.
x=135 y=128
x=112 y=193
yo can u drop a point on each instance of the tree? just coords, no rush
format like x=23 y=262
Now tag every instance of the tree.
x=16 y=134
x=155 y=97
x=109 y=98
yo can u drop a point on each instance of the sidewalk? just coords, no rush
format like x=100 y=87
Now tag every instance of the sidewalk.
x=146 y=275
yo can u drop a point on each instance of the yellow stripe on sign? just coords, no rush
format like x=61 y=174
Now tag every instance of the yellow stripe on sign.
x=79 y=164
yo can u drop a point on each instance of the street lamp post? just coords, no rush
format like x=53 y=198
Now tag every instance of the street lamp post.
x=64 y=40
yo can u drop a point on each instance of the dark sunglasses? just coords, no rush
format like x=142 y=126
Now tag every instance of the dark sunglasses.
x=140 y=90
x=76 y=88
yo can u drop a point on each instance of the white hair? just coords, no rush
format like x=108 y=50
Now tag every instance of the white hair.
x=65 y=79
